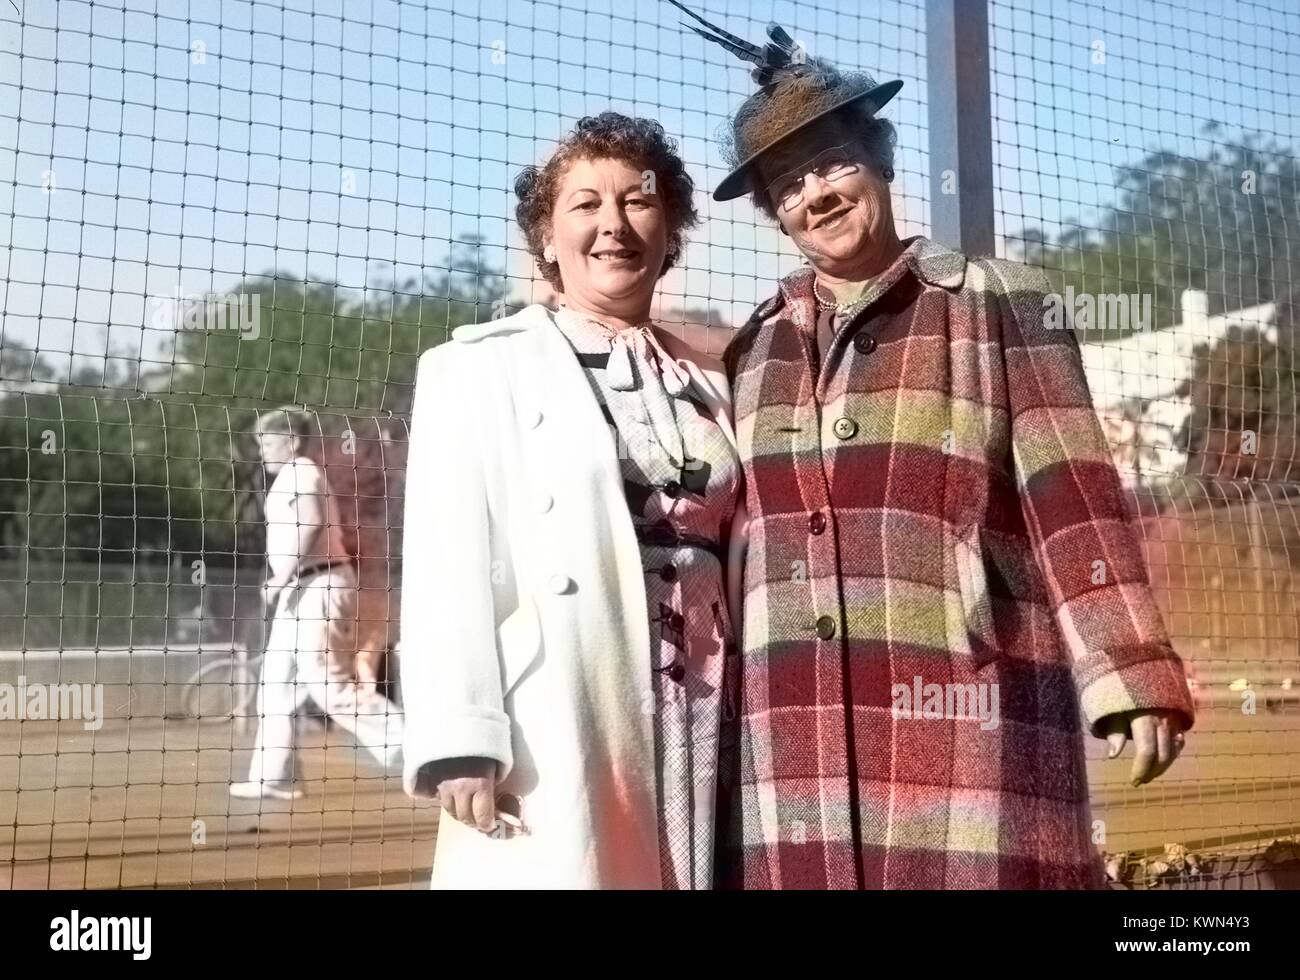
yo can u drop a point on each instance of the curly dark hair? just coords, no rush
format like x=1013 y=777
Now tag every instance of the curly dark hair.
x=608 y=136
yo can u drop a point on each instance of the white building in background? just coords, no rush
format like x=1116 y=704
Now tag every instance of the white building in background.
x=1149 y=366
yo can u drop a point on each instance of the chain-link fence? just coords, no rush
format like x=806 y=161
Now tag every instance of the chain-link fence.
x=215 y=209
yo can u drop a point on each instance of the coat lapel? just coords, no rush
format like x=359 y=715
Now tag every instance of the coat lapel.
x=927 y=260
x=569 y=449
x=563 y=378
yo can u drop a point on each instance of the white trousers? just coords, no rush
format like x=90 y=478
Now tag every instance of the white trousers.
x=309 y=658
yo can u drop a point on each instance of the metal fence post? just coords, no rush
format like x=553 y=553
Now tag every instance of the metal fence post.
x=961 y=140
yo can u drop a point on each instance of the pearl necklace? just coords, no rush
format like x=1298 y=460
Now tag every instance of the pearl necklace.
x=842 y=310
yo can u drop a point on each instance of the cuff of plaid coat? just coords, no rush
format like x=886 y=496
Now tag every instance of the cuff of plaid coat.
x=1147 y=676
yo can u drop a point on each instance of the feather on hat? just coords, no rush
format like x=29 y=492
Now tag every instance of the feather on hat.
x=795 y=90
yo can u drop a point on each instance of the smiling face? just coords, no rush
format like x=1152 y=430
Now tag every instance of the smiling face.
x=610 y=237
x=839 y=223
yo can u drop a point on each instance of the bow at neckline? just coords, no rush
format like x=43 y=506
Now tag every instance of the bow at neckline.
x=638 y=363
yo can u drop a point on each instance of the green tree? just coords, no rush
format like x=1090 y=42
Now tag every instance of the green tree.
x=89 y=472
x=1225 y=223
x=320 y=345
x=1244 y=391
x=89 y=476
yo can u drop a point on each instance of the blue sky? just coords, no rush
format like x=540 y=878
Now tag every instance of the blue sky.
x=195 y=141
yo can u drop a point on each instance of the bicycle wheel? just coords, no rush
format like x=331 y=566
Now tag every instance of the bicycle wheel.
x=220 y=690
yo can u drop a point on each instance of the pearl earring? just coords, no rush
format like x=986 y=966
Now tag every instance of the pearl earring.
x=548 y=254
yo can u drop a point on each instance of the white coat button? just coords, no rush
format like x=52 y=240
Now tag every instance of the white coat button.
x=559 y=583
x=533 y=417
x=544 y=502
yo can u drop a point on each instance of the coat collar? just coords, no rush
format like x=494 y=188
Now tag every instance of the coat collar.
x=707 y=374
x=928 y=261
x=528 y=317
x=935 y=264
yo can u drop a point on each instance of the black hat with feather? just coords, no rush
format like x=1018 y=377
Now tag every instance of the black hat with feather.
x=795 y=90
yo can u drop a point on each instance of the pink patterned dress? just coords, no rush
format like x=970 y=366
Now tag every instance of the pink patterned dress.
x=681 y=479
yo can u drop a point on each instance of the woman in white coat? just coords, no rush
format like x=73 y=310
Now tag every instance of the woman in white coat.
x=572 y=479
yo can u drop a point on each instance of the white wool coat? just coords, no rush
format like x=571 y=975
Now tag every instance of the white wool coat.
x=525 y=634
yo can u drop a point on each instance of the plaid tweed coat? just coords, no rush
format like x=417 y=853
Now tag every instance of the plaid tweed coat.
x=934 y=513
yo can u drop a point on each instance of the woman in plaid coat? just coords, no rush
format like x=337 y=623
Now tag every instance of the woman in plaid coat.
x=941 y=586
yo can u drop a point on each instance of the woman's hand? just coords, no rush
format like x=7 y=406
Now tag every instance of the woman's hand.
x=1157 y=738
x=467 y=791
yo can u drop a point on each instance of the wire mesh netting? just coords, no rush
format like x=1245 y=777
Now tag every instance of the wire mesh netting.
x=1146 y=157
x=215 y=211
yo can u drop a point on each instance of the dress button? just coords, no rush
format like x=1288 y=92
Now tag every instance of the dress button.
x=845 y=428
x=677 y=672
x=817 y=522
x=672 y=488
x=544 y=502
x=864 y=343
x=825 y=627
x=533 y=418
x=559 y=584
x=676 y=621
x=668 y=572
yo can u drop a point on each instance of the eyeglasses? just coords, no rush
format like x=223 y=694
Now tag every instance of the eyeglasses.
x=834 y=163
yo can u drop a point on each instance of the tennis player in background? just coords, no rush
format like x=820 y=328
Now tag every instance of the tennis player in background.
x=313 y=590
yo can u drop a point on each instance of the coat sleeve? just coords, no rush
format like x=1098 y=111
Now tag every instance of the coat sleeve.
x=451 y=677
x=737 y=550
x=1073 y=503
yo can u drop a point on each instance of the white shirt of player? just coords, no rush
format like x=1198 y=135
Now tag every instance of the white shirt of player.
x=303 y=521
